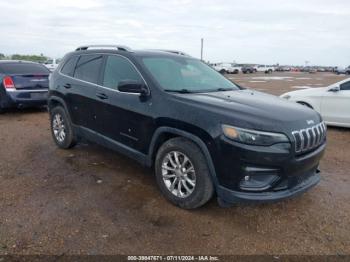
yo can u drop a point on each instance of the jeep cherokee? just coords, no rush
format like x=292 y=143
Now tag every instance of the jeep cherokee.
x=203 y=134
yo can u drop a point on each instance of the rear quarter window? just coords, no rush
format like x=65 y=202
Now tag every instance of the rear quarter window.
x=69 y=66
x=88 y=68
x=23 y=68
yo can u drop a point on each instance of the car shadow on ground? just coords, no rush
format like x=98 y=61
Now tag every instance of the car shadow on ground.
x=18 y=111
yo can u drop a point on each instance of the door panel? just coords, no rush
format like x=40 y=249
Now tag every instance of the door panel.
x=81 y=90
x=336 y=107
x=81 y=97
x=123 y=117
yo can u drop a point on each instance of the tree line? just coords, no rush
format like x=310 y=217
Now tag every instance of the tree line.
x=33 y=58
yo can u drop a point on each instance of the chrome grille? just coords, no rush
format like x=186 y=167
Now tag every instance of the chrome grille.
x=309 y=138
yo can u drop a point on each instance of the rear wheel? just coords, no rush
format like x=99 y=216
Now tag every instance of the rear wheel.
x=223 y=71
x=61 y=128
x=182 y=174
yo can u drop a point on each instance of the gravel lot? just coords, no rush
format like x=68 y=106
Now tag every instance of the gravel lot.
x=90 y=200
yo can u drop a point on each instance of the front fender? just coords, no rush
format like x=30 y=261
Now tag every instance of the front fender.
x=195 y=139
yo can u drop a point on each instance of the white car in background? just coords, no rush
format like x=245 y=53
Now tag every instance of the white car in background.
x=265 y=68
x=227 y=68
x=332 y=102
x=52 y=64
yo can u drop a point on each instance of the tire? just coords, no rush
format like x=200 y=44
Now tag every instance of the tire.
x=222 y=71
x=201 y=188
x=61 y=128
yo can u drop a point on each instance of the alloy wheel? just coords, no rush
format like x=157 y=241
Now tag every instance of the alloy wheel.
x=178 y=174
x=59 y=128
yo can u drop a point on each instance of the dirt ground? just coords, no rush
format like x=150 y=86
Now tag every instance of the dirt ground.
x=90 y=200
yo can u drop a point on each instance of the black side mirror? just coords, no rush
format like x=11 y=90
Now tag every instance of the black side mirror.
x=133 y=86
x=334 y=89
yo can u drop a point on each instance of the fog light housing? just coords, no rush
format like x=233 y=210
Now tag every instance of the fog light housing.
x=257 y=182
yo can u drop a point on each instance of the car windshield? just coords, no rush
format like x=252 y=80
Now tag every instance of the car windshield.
x=186 y=75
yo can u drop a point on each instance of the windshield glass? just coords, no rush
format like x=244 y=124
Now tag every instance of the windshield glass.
x=181 y=74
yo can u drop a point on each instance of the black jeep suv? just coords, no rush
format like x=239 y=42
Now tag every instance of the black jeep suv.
x=203 y=134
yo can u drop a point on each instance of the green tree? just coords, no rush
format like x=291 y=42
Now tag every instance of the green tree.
x=2 y=56
x=33 y=58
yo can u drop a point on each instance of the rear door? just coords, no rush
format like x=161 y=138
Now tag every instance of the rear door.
x=336 y=105
x=80 y=89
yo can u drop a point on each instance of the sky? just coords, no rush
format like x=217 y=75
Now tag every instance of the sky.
x=255 y=31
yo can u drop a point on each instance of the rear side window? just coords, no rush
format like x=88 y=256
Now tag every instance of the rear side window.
x=345 y=86
x=68 y=68
x=23 y=68
x=119 y=69
x=88 y=68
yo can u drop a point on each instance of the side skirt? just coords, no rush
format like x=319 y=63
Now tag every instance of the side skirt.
x=112 y=144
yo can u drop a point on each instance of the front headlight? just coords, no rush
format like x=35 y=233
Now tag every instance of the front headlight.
x=253 y=137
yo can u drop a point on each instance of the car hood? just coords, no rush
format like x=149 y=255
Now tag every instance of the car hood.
x=306 y=91
x=252 y=109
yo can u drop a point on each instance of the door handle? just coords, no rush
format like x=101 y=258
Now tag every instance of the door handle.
x=102 y=96
x=67 y=86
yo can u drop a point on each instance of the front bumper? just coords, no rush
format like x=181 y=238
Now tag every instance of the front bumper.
x=286 y=173
x=23 y=98
x=227 y=196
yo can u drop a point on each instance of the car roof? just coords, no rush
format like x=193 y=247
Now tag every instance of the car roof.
x=150 y=52
x=16 y=61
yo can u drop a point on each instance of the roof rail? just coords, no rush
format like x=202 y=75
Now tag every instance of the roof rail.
x=173 y=52
x=119 y=47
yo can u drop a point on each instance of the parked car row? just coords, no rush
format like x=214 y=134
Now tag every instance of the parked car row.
x=342 y=71
x=232 y=68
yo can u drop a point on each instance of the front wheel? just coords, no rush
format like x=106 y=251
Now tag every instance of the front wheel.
x=61 y=128
x=182 y=174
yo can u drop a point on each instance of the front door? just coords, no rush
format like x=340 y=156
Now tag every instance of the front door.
x=123 y=117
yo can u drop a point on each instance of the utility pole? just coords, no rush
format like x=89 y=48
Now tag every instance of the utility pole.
x=202 y=40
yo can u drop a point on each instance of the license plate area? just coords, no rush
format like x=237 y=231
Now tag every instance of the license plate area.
x=42 y=95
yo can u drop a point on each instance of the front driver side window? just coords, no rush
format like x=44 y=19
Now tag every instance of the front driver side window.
x=345 y=86
x=119 y=69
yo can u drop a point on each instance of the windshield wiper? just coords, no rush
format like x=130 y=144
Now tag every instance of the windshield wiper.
x=181 y=91
x=224 y=89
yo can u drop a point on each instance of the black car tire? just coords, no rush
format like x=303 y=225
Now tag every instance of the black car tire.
x=223 y=71
x=1 y=108
x=69 y=138
x=203 y=189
